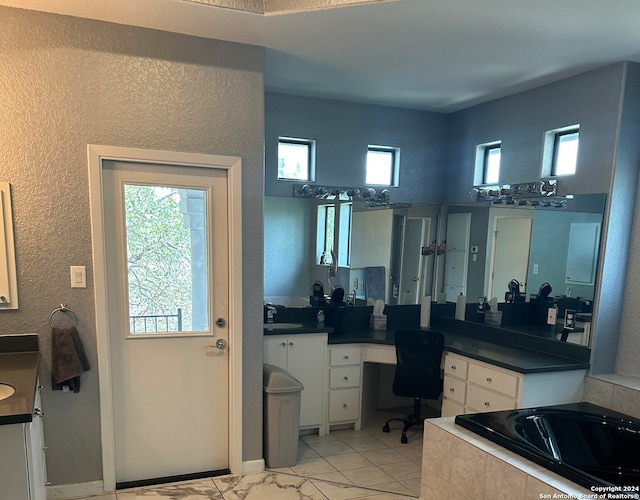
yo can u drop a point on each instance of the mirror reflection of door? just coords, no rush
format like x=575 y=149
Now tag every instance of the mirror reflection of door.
x=511 y=239
x=456 y=262
x=412 y=274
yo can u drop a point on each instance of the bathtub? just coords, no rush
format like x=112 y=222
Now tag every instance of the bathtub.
x=589 y=445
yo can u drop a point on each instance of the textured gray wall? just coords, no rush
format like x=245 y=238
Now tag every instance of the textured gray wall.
x=65 y=83
x=627 y=358
x=591 y=100
x=343 y=130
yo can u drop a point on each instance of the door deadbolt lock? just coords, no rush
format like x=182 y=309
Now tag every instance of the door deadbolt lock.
x=221 y=322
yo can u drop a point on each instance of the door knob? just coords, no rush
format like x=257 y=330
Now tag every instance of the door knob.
x=221 y=343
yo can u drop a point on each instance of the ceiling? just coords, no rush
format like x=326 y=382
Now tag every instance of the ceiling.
x=423 y=54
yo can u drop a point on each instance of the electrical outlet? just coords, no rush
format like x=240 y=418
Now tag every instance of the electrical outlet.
x=567 y=291
x=535 y=269
x=552 y=313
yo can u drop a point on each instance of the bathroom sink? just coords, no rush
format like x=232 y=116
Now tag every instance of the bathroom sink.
x=282 y=326
x=6 y=391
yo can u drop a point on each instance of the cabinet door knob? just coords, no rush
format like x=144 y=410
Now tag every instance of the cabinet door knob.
x=37 y=412
x=489 y=379
x=453 y=367
x=344 y=405
x=346 y=356
x=486 y=403
x=290 y=343
x=452 y=390
x=345 y=378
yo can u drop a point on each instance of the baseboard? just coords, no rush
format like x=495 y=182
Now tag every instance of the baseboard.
x=76 y=490
x=251 y=466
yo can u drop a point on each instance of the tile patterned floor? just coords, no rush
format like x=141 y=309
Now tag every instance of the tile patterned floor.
x=342 y=465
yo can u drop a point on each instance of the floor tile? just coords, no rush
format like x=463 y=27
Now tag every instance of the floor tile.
x=384 y=456
x=403 y=470
x=310 y=467
x=190 y=490
x=325 y=449
x=305 y=451
x=365 y=443
x=268 y=485
x=348 y=461
x=367 y=476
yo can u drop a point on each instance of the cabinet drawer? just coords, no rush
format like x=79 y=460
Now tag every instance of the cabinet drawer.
x=479 y=399
x=343 y=404
x=454 y=389
x=346 y=376
x=495 y=380
x=455 y=366
x=345 y=356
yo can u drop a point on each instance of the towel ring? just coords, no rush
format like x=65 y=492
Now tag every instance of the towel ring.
x=63 y=309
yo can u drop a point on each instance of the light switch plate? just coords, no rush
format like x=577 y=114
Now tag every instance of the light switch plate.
x=78 y=277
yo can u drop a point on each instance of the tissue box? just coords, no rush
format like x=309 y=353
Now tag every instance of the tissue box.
x=493 y=318
x=378 y=321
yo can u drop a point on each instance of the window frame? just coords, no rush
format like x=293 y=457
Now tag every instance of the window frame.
x=549 y=150
x=311 y=158
x=482 y=162
x=394 y=175
x=557 y=136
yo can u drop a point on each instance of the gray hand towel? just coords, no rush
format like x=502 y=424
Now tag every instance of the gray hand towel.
x=68 y=358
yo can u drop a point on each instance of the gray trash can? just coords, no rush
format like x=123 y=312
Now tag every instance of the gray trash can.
x=281 y=416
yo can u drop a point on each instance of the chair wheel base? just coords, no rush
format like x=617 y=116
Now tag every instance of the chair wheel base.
x=386 y=428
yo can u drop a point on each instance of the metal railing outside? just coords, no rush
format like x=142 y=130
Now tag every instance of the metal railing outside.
x=143 y=322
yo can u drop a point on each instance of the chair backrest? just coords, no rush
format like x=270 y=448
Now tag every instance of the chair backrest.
x=418 y=355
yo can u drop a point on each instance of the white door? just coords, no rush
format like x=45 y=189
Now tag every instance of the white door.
x=412 y=267
x=512 y=237
x=166 y=246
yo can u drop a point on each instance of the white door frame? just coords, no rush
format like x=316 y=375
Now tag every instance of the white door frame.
x=233 y=166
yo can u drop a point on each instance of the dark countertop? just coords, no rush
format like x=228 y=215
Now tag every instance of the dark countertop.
x=19 y=358
x=272 y=328
x=518 y=359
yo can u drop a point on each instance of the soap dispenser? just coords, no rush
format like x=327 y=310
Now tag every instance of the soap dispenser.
x=320 y=317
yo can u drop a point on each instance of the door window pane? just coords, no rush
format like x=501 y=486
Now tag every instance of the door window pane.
x=167 y=265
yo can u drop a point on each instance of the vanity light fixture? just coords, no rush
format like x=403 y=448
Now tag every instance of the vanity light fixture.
x=543 y=193
x=368 y=194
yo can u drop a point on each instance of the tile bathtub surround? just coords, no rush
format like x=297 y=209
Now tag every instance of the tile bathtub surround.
x=458 y=464
x=614 y=392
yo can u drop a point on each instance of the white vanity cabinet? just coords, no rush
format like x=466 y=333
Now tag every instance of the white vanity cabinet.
x=472 y=386
x=22 y=459
x=345 y=379
x=304 y=357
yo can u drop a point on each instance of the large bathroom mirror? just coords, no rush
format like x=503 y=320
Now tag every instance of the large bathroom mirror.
x=416 y=245
x=544 y=245
x=390 y=254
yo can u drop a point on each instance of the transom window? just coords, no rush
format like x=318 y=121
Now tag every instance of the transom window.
x=296 y=159
x=487 y=168
x=382 y=166
x=565 y=152
x=560 y=154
